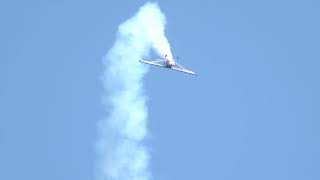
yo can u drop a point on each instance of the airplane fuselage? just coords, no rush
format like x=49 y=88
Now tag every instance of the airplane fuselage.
x=169 y=63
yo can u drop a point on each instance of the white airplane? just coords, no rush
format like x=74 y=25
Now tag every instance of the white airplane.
x=168 y=63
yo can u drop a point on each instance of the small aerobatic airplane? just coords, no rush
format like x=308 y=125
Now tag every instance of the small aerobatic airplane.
x=168 y=63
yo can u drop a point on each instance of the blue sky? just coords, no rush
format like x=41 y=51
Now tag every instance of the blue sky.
x=252 y=113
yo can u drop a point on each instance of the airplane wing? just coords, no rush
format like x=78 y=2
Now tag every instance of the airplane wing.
x=182 y=69
x=156 y=62
x=159 y=62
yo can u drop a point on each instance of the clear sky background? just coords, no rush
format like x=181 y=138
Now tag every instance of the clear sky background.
x=252 y=113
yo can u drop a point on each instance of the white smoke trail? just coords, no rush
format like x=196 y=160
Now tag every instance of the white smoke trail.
x=120 y=149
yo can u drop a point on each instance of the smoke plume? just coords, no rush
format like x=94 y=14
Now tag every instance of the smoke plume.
x=121 y=154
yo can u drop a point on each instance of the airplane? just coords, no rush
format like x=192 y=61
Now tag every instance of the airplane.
x=168 y=63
